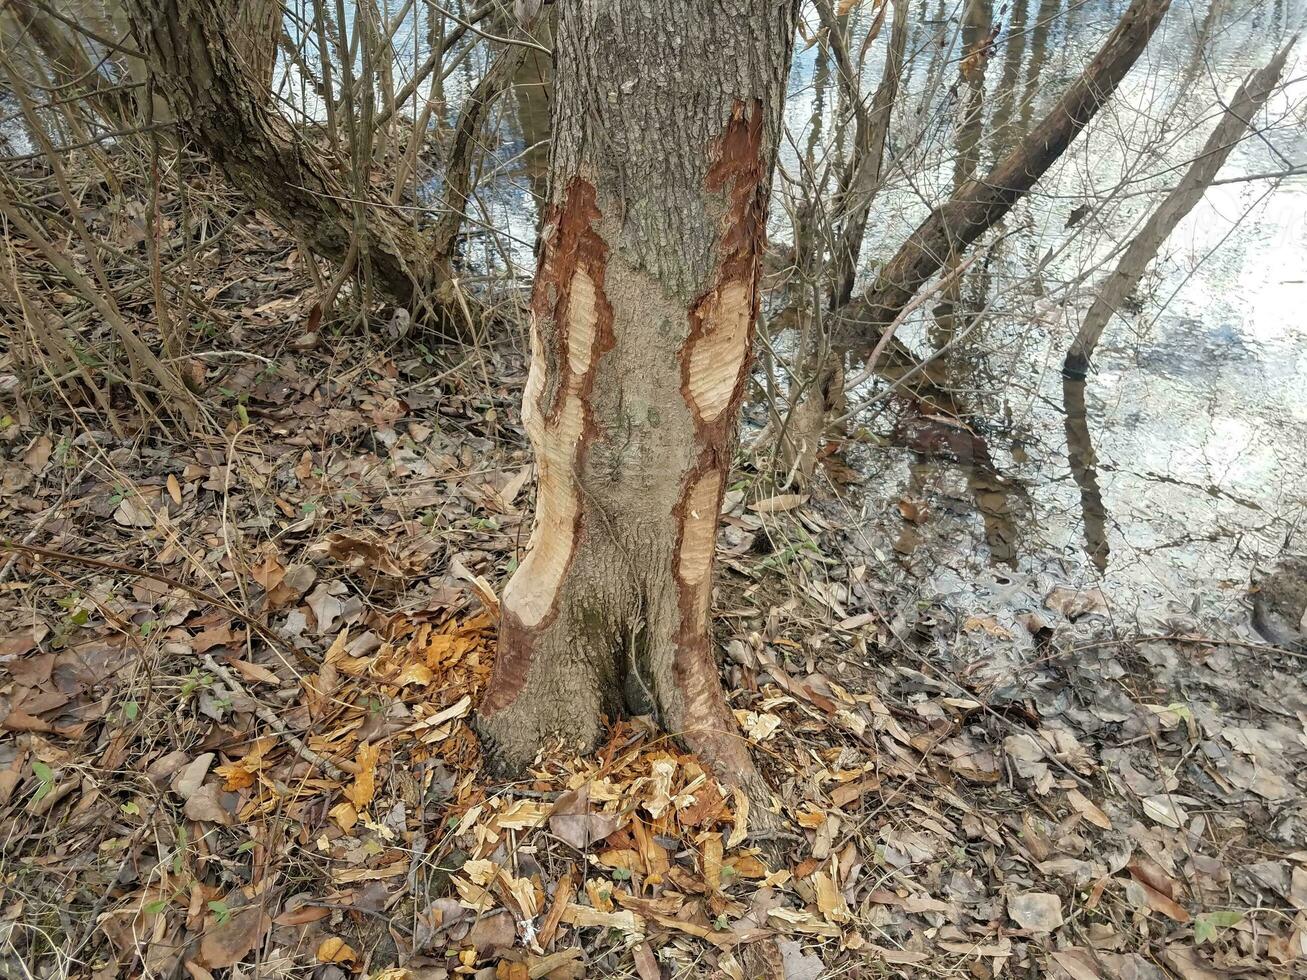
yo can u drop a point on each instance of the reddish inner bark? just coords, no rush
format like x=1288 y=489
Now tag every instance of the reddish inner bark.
x=572 y=245
x=739 y=174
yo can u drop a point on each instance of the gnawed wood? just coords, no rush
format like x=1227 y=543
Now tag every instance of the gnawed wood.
x=658 y=229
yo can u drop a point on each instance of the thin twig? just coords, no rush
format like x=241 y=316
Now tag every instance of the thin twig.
x=267 y=716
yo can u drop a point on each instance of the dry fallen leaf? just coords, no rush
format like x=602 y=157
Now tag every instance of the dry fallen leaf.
x=364 y=787
x=1088 y=809
x=136 y=511
x=1036 y=911
x=1165 y=810
x=229 y=943
x=333 y=949
x=779 y=503
x=572 y=822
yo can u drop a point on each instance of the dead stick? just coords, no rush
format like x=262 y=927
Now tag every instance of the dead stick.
x=269 y=717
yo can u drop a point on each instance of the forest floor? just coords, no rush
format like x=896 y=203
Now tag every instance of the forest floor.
x=237 y=679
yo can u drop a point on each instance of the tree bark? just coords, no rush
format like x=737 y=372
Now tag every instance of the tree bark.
x=667 y=118
x=198 y=62
x=258 y=26
x=1234 y=123
x=1084 y=470
x=975 y=207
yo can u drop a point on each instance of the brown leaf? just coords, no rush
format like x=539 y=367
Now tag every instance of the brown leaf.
x=229 y=943
x=1141 y=893
x=1088 y=810
x=205 y=806
x=269 y=572
x=255 y=673
x=646 y=964
x=136 y=511
x=1148 y=872
x=1186 y=962
x=191 y=778
x=364 y=787
x=1077 y=964
x=779 y=503
x=333 y=949
x=37 y=454
x=1036 y=911
x=363 y=552
x=303 y=915
x=572 y=822
x=492 y=932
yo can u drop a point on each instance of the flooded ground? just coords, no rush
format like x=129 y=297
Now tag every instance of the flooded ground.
x=1179 y=465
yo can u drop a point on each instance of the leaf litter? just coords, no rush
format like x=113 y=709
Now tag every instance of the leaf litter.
x=262 y=760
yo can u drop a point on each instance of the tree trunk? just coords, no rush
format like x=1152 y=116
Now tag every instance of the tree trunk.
x=258 y=27
x=977 y=28
x=1235 y=122
x=1084 y=470
x=978 y=205
x=666 y=123
x=70 y=66
x=198 y=61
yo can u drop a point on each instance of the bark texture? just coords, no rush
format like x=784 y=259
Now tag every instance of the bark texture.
x=976 y=206
x=258 y=26
x=666 y=123
x=1143 y=248
x=198 y=60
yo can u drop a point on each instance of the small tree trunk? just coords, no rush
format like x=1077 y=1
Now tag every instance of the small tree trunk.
x=978 y=205
x=1235 y=122
x=197 y=58
x=70 y=65
x=258 y=26
x=666 y=122
x=977 y=21
x=468 y=140
x=861 y=180
x=1084 y=470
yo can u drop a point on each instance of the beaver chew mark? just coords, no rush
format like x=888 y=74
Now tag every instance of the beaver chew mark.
x=571 y=328
x=704 y=719
x=718 y=353
x=721 y=320
x=698 y=541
